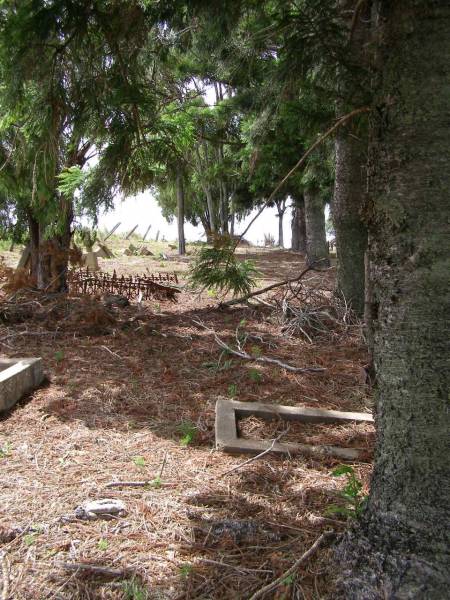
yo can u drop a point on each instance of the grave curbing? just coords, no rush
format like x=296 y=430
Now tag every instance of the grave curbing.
x=18 y=377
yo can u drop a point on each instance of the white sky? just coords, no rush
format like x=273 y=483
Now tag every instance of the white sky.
x=143 y=210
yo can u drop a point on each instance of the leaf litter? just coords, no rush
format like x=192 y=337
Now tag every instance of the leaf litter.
x=123 y=383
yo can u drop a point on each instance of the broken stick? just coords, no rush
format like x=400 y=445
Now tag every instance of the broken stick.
x=94 y=569
x=262 y=359
x=327 y=536
x=253 y=458
x=242 y=299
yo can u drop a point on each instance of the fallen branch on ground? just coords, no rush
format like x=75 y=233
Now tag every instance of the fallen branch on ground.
x=138 y=484
x=94 y=569
x=270 y=287
x=13 y=335
x=239 y=569
x=325 y=537
x=253 y=458
x=262 y=359
x=4 y=570
x=111 y=352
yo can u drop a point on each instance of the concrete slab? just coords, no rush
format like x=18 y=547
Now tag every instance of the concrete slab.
x=229 y=411
x=18 y=376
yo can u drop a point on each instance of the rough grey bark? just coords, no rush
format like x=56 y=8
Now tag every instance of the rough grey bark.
x=400 y=549
x=351 y=231
x=369 y=309
x=298 y=225
x=33 y=228
x=281 y=208
x=316 y=240
x=60 y=260
x=224 y=207
x=232 y=214
x=211 y=211
x=350 y=162
x=180 y=215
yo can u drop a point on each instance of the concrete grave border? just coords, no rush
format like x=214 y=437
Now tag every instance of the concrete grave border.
x=18 y=376
x=229 y=411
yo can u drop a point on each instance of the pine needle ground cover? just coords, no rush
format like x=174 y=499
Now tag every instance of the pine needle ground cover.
x=131 y=397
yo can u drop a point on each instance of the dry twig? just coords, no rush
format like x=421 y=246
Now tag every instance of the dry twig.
x=269 y=287
x=341 y=121
x=94 y=569
x=4 y=569
x=262 y=359
x=260 y=455
x=327 y=536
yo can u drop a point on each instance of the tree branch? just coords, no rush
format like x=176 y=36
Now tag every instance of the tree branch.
x=270 y=287
x=339 y=122
x=325 y=537
x=262 y=359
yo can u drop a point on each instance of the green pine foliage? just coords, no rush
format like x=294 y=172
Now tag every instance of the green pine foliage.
x=219 y=268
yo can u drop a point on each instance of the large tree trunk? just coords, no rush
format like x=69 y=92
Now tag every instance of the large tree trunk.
x=224 y=207
x=401 y=548
x=298 y=225
x=232 y=215
x=60 y=258
x=33 y=228
x=351 y=161
x=211 y=211
x=180 y=215
x=281 y=209
x=316 y=239
x=351 y=232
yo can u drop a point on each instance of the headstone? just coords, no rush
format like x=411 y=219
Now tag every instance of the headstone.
x=25 y=257
x=104 y=252
x=90 y=261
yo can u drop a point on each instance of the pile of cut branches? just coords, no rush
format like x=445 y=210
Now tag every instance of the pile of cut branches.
x=312 y=313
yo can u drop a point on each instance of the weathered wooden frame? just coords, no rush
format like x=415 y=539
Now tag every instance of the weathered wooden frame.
x=228 y=412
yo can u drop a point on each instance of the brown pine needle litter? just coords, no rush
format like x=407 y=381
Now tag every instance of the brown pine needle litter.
x=130 y=400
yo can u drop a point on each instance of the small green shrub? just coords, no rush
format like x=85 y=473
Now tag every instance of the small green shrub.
x=354 y=500
x=255 y=375
x=256 y=351
x=219 y=365
x=5 y=450
x=29 y=539
x=139 y=461
x=134 y=590
x=156 y=482
x=102 y=545
x=186 y=570
x=188 y=431
x=59 y=356
x=5 y=244
x=232 y=390
x=218 y=269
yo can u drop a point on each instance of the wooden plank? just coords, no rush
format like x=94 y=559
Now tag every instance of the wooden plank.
x=227 y=440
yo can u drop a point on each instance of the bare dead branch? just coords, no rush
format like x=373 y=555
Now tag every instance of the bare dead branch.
x=325 y=537
x=262 y=359
x=311 y=149
x=94 y=569
x=260 y=455
x=137 y=484
x=270 y=287
x=4 y=571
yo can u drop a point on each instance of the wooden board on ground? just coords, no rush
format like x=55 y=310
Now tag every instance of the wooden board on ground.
x=229 y=411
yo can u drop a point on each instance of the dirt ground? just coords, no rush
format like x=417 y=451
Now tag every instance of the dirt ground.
x=130 y=396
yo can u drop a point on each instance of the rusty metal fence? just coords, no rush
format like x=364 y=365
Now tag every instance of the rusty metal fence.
x=151 y=285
